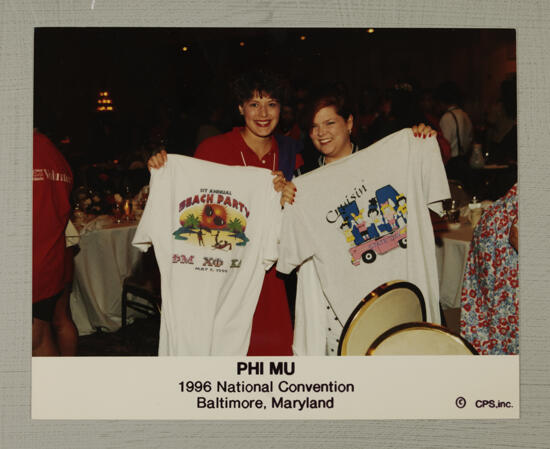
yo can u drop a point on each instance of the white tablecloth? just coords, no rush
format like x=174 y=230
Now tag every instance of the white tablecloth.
x=451 y=260
x=106 y=257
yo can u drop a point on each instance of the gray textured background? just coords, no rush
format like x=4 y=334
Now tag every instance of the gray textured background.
x=17 y=20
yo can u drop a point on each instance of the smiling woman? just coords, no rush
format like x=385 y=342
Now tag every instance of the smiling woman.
x=261 y=116
x=259 y=95
x=330 y=119
x=330 y=133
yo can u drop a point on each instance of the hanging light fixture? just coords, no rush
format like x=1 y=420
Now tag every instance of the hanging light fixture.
x=103 y=100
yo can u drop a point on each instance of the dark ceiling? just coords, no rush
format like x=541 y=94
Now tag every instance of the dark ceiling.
x=146 y=69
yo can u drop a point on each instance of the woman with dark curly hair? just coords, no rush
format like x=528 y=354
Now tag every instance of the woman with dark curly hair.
x=259 y=95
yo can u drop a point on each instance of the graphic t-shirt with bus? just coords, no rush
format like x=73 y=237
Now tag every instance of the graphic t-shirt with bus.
x=382 y=228
x=363 y=221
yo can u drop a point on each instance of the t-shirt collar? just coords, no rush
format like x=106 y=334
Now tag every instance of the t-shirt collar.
x=321 y=161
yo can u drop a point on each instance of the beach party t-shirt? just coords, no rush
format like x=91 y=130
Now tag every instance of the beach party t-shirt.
x=214 y=229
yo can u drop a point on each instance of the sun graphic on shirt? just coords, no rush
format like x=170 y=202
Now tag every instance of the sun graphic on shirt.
x=212 y=225
x=214 y=216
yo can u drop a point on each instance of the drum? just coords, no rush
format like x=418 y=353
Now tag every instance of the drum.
x=420 y=339
x=387 y=306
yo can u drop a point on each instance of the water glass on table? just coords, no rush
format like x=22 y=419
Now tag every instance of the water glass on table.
x=453 y=215
x=117 y=212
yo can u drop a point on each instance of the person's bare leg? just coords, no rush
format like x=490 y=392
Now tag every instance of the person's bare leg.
x=65 y=331
x=43 y=343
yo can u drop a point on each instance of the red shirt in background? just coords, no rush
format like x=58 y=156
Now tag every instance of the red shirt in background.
x=51 y=188
x=271 y=325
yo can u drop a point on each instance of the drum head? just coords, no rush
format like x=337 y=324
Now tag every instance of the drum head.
x=420 y=339
x=387 y=306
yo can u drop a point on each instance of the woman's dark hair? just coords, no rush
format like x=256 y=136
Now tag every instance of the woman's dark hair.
x=325 y=96
x=259 y=80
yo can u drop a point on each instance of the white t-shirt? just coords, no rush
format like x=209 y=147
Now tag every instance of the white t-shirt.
x=215 y=230
x=382 y=192
x=465 y=130
x=317 y=329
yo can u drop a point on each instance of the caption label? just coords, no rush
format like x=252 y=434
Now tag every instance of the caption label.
x=216 y=393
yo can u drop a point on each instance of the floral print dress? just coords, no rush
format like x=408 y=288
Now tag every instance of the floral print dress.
x=489 y=314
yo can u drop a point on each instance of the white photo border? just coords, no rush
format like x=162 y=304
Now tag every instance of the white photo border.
x=529 y=18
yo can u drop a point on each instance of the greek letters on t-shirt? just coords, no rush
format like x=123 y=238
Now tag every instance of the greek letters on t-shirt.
x=206 y=262
x=182 y=258
x=381 y=229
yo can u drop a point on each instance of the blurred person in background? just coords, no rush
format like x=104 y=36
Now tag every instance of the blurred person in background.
x=400 y=107
x=456 y=126
x=53 y=331
x=367 y=113
x=490 y=308
x=502 y=121
x=211 y=125
x=181 y=132
x=288 y=123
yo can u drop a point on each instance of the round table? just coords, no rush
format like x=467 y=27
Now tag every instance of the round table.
x=106 y=257
x=451 y=260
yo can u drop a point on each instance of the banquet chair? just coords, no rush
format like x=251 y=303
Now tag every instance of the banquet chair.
x=420 y=339
x=390 y=304
x=459 y=193
x=144 y=282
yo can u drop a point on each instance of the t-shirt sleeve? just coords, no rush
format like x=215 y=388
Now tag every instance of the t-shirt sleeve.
x=434 y=179
x=295 y=244
x=143 y=237
x=310 y=314
x=273 y=224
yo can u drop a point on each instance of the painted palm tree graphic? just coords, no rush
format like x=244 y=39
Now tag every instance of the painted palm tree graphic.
x=192 y=225
x=235 y=226
x=191 y=222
